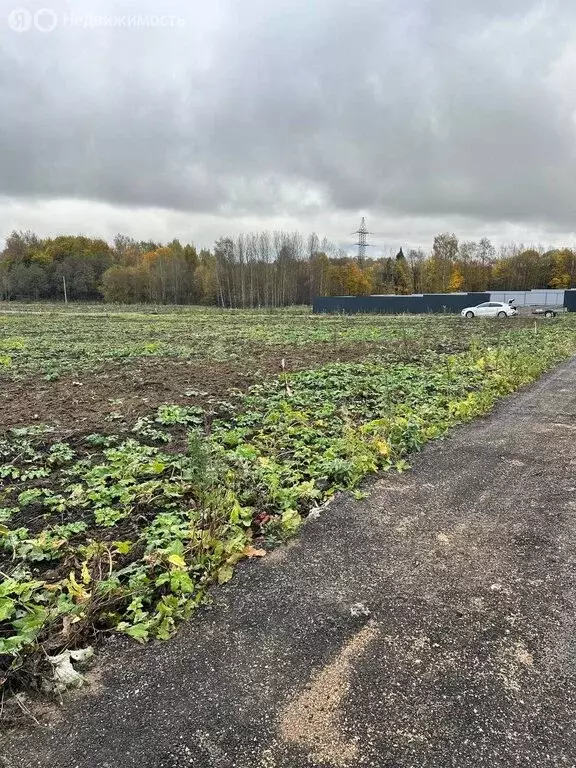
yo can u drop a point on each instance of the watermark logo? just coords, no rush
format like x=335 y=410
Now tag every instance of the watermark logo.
x=47 y=19
x=20 y=20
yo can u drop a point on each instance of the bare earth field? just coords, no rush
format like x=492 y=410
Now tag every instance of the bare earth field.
x=86 y=401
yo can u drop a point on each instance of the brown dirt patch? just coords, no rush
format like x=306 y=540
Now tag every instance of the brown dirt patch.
x=312 y=719
x=113 y=396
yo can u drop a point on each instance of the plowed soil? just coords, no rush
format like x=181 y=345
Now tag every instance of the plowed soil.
x=114 y=395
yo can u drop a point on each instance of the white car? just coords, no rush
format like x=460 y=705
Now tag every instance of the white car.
x=490 y=309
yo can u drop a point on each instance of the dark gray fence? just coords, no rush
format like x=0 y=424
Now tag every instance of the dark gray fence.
x=570 y=300
x=397 y=305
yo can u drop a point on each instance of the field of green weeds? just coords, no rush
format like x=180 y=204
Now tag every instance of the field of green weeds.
x=124 y=528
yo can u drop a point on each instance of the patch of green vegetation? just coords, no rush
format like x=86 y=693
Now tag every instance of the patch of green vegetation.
x=127 y=532
x=54 y=341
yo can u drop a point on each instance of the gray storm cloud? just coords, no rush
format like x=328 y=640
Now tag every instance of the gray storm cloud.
x=433 y=108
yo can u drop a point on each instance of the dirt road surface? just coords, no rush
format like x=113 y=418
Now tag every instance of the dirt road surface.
x=432 y=624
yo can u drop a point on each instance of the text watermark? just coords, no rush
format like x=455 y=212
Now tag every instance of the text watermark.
x=47 y=20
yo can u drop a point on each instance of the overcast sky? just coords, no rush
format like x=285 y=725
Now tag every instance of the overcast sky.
x=194 y=119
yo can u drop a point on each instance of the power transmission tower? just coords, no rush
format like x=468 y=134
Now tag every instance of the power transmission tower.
x=362 y=242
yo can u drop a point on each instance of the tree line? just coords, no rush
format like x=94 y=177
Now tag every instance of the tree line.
x=264 y=269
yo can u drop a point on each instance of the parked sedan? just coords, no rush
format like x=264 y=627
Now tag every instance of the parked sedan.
x=490 y=309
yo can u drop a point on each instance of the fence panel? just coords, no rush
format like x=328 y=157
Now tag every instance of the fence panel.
x=570 y=300
x=545 y=297
x=416 y=304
